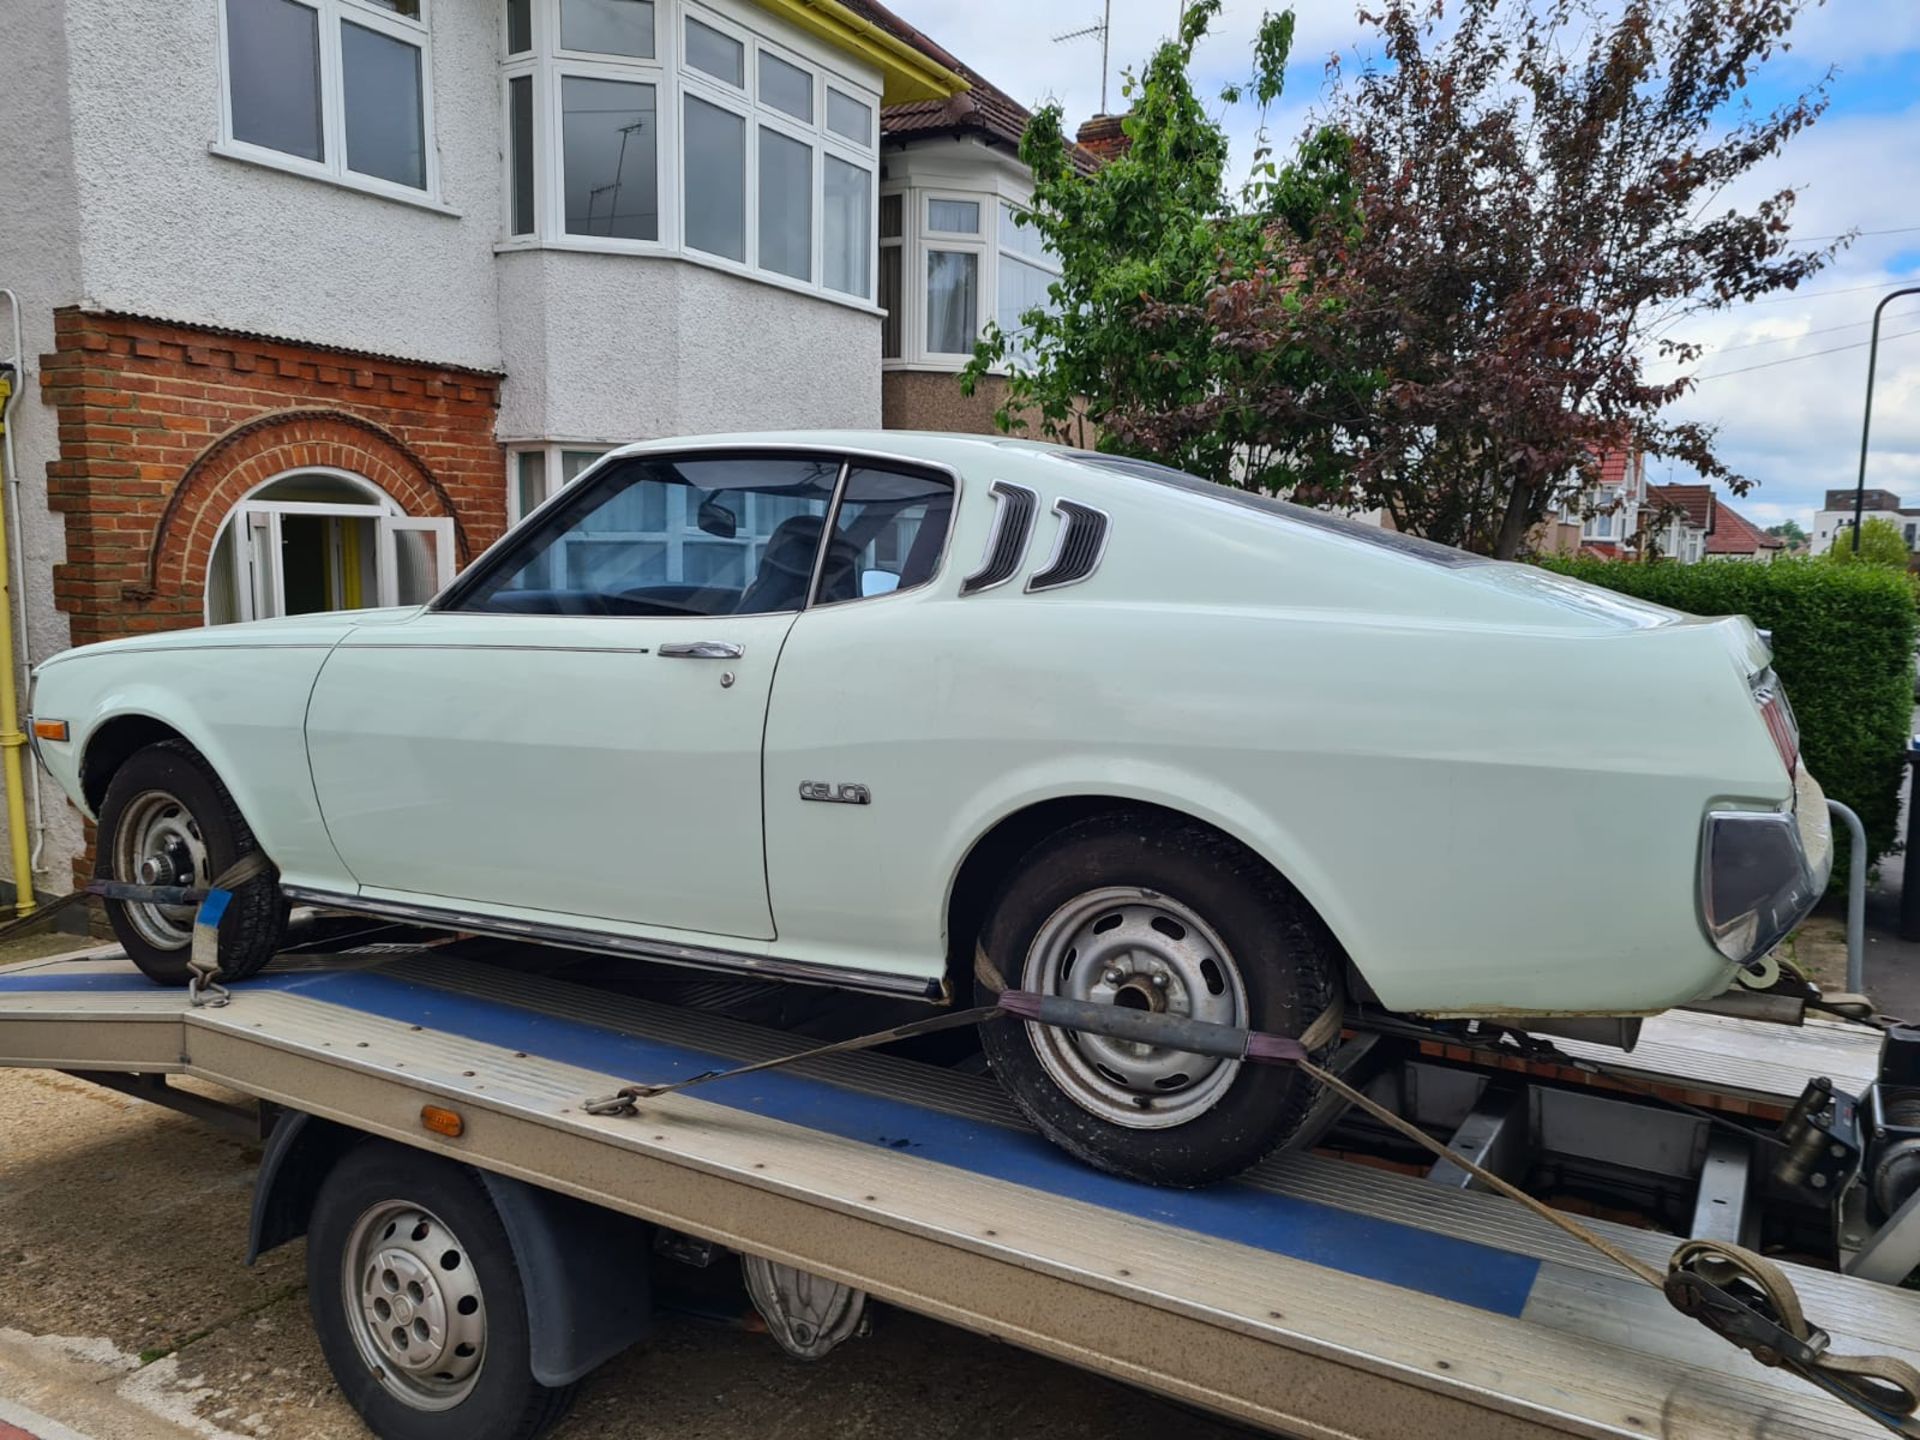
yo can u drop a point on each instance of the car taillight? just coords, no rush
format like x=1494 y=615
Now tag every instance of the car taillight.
x=1771 y=697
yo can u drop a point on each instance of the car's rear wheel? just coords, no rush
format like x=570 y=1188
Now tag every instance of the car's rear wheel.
x=1166 y=917
x=167 y=820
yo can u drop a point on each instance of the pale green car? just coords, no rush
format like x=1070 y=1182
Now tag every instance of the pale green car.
x=855 y=708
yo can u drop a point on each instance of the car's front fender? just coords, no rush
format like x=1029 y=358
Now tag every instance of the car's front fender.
x=242 y=708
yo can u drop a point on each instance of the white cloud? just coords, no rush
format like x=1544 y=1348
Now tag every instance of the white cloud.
x=1794 y=428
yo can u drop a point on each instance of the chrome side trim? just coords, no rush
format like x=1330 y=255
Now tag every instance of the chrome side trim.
x=1079 y=546
x=599 y=942
x=1012 y=528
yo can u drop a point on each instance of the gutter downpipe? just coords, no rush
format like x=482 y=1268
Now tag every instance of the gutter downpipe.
x=10 y=470
x=12 y=740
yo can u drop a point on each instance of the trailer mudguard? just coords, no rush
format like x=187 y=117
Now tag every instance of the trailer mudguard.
x=584 y=1268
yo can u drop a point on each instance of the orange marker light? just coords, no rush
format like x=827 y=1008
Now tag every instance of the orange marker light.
x=443 y=1122
x=50 y=729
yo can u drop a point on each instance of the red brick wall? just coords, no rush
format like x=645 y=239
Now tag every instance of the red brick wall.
x=164 y=427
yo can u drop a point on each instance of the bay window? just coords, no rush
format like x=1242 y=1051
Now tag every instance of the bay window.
x=336 y=89
x=677 y=126
x=1027 y=271
x=972 y=261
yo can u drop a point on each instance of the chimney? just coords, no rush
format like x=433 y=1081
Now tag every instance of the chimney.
x=1104 y=138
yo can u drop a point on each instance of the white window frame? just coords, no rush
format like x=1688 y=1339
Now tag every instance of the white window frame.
x=260 y=592
x=553 y=451
x=1601 y=521
x=919 y=237
x=1045 y=261
x=956 y=242
x=333 y=117
x=674 y=79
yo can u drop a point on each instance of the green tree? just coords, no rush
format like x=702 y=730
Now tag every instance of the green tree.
x=1141 y=241
x=1789 y=531
x=1541 y=190
x=1880 y=544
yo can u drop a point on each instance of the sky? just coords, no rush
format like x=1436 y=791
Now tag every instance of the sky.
x=1792 y=428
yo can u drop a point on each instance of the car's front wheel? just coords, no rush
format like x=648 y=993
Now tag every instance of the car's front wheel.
x=1164 y=917
x=168 y=820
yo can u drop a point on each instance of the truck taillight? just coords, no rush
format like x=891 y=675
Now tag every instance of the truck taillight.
x=1771 y=697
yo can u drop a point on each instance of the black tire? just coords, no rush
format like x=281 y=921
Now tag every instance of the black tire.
x=1287 y=965
x=160 y=942
x=505 y=1402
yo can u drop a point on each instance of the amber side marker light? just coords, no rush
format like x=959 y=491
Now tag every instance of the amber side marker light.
x=50 y=729
x=443 y=1122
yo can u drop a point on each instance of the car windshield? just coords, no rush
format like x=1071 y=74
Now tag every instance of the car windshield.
x=1411 y=546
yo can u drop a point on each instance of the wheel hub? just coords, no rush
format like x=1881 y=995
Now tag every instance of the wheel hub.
x=414 y=1305
x=158 y=842
x=1145 y=951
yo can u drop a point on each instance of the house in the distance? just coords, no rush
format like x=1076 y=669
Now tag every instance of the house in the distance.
x=1623 y=515
x=1835 y=518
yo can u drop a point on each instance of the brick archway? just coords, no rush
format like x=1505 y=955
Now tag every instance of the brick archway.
x=249 y=455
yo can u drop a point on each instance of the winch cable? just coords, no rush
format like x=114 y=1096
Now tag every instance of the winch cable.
x=1743 y=1297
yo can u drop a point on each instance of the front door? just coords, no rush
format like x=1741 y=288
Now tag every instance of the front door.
x=577 y=731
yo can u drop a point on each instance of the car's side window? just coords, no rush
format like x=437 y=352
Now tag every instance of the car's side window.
x=682 y=535
x=889 y=533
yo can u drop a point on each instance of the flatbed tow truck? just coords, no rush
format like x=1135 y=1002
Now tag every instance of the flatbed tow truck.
x=1355 y=1288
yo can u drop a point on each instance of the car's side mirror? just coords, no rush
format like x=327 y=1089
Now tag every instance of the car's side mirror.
x=717 y=520
x=878 y=582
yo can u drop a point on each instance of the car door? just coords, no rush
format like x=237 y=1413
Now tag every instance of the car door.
x=576 y=728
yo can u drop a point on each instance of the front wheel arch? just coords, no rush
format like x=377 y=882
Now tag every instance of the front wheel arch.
x=114 y=743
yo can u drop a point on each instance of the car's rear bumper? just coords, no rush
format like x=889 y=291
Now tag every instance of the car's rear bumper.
x=1761 y=871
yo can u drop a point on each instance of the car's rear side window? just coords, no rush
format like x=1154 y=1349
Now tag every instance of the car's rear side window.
x=889 y=532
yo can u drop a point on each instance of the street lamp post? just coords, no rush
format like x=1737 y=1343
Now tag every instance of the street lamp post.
x=1866 y=420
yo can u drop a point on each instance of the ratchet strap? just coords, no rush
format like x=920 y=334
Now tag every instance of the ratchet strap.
x=203 y=960
x=1744 y=1298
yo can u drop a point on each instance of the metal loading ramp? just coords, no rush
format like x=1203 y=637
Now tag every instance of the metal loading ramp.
x=1317 y=1297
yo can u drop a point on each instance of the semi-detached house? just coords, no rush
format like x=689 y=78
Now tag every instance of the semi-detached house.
x=315 y=297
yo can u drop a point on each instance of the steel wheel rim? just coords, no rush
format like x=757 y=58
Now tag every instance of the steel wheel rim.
x=158 y=842
x=1148 y=951
x=414 y=1306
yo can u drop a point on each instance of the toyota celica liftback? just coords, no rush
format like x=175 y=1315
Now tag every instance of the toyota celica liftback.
x=850 y=708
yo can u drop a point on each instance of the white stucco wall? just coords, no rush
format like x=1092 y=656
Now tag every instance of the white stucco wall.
x=39 y=262
x=624 y=347
x=173 y=230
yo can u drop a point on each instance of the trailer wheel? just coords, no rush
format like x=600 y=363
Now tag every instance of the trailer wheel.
x=418 y=1304
x=1172 y=918
x=167 y=820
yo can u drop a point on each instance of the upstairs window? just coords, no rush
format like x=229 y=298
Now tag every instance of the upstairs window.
x=634 y=125
x=950 y=262
x=339 y=89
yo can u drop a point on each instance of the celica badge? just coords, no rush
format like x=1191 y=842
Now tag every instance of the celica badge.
x=832 y=794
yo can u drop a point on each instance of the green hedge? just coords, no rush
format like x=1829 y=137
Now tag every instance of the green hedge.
x=1842 y=644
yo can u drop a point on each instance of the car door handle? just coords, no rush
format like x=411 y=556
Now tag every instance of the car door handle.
x=702 y=650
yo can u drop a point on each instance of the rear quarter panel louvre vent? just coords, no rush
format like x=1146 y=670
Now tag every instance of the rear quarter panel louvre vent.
x=1013 y=511
x=1077 y=548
